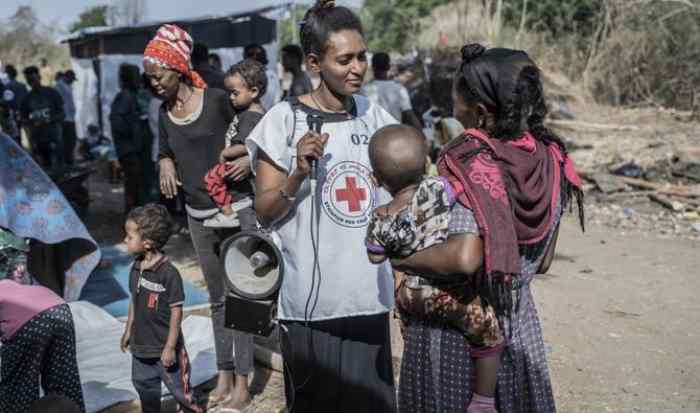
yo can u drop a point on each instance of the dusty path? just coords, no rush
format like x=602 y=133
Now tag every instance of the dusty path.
x=620 y=315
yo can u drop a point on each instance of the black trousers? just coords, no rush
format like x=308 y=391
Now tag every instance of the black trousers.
x=148 y=374
x=207 y=242
x=339 y=365
x=133 y=181
x=69 y=140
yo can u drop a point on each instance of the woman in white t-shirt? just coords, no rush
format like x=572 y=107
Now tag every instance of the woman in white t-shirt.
x=334 y=304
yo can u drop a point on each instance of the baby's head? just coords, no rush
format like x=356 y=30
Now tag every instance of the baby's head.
x=148 y=229
x=398 y=155
x=246 y=83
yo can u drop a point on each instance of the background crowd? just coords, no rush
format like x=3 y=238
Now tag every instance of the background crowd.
x=42 y=109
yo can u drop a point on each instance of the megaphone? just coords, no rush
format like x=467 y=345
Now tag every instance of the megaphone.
x=254 y=268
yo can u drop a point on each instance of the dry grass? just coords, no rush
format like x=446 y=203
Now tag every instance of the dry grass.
x=639 y=52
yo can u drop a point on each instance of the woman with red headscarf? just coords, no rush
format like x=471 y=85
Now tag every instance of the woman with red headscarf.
x=193 y=122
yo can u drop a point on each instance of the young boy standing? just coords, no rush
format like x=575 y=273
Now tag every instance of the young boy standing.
x=152 y=332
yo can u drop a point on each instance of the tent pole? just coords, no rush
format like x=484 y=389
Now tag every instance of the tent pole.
x=293 y=15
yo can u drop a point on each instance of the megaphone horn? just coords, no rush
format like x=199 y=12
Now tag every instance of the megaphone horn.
x=253 y=265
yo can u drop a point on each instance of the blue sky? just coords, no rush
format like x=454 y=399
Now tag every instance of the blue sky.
x=64 y=12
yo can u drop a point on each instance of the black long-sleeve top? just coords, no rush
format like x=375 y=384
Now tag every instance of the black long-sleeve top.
x=195 y=147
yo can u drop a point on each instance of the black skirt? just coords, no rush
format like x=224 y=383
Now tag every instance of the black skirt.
x=339 y=365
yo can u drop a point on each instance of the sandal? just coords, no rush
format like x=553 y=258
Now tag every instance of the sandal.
x=241 y=409
x=215 y=402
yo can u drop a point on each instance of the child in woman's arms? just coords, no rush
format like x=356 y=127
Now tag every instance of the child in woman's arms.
x=417 y=218
x=228 y=182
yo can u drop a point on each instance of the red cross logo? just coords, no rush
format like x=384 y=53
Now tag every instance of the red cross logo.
x=351 y=194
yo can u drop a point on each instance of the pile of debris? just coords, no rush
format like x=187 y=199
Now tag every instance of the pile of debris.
x=661 y=199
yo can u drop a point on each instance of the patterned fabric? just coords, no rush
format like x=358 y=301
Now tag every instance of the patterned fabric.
x=171 y=48
x=43 y=348
x=31 y=206
x=437 y=370
x=13 y=257
x=422 y=224
x=455 y=306
x=452 y=304
x=216 y=185
x=232 y=132
x=520 y=213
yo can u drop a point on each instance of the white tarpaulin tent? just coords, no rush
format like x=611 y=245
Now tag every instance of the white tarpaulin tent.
x=97 y=53
x=105 y=372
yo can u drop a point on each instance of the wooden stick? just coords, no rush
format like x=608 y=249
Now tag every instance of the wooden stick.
x=575 y=124
x=692 y=202
x=680 y=191
x=668 y=203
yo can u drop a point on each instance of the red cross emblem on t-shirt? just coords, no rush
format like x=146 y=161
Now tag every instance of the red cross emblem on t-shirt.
x=351 y=194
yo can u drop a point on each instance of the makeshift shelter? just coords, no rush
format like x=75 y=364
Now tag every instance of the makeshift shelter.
x=97 y=53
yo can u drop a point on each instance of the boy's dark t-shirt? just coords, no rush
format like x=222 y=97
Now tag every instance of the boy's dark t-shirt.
x=42 y=107
x=154 y=292
x=242 y=125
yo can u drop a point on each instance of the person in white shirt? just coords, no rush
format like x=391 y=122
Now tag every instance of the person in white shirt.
x=64 y=86
x=274 y=88
x=390 y=94
x=334 y=303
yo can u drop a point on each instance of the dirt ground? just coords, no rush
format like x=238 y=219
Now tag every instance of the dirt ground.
x=619 y=310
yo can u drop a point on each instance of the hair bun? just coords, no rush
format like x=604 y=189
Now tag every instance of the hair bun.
x=471 y=52
x=324 y=4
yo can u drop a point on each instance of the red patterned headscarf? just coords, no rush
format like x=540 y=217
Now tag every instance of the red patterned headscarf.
x=172 y=48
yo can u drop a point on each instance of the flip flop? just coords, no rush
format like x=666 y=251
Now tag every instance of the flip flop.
x=243 y=409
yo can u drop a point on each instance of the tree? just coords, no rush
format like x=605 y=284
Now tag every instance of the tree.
x=91 y=17
x=289 y=26
x=395 y=24
x=127 y=12
x=555 y=17
x=25 y=41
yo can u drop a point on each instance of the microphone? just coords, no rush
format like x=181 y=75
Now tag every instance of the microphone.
x=315 y=122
